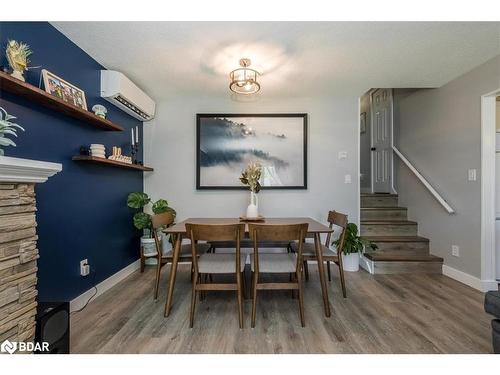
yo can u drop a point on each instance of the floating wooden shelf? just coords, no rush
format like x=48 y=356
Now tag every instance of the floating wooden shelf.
x=30 y=92
x=111 y=163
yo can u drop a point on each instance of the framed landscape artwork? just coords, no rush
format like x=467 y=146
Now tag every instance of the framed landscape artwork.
x=227 y=143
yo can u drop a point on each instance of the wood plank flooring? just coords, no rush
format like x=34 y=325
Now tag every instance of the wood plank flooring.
x=382 y=314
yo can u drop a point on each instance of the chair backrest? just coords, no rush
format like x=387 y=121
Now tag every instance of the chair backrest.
x=215 y=232
x=160 y=221
x=340 y=220
x=277 y=232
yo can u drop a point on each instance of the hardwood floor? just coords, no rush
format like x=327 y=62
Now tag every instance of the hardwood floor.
x=383 y=314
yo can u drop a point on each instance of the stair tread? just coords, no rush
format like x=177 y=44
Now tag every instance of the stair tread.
x=382 y=222
x=385 y=208
x=396 y=257
x=395 y=239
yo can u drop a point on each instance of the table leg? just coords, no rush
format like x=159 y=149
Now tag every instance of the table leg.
x=173 y=273
x=321 y=271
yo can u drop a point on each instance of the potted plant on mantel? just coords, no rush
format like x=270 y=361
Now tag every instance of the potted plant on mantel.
x=7 y=128
x=354 y=246
x=142 y=219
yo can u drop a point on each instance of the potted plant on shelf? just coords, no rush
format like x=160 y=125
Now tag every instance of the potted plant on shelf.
x=250 y=177
x=142 y=219
x=354 y=246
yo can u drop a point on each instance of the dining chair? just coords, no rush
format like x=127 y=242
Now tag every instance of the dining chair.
x=159 y=222
x=217 y=263
x=277 y=263
x=329 y=255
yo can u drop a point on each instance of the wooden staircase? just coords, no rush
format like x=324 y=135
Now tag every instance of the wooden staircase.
x=400 y=248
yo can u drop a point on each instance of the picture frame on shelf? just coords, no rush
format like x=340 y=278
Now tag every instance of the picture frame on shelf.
x=64 y=90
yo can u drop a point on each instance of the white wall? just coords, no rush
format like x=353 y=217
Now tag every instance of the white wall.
x=440 y=133
x=170 y=147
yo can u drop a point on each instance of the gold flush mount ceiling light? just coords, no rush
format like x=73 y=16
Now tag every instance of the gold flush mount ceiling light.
x=244 y=79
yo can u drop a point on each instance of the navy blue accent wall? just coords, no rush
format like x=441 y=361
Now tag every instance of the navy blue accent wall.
x=82 y=211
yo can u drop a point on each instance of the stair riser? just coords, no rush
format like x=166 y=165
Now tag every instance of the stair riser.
x=384 y=214
x=385 y=268
x=414 y=247
x=379 y=201
x=388 y=230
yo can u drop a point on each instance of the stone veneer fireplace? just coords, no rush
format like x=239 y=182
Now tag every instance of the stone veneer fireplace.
x=18 y=245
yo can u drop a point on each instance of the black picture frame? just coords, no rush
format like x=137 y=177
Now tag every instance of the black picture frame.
x=200 y=116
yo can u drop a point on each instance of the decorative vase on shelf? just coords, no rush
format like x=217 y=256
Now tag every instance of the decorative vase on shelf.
x=253 y=207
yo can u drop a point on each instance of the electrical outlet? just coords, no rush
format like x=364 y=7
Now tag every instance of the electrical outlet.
x=84 y=267
x=455 y=250
x=347 y=179
x=472 y=175
x=342 y=155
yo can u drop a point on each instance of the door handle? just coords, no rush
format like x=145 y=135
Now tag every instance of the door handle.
x=373 y=149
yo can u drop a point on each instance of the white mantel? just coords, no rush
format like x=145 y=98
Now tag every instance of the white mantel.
x=26 y=170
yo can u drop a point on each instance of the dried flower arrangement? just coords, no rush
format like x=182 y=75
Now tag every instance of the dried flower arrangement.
x=251 y=176
x=18 y=54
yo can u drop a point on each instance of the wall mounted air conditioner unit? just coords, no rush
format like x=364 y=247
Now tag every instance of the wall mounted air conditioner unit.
x=116 y=88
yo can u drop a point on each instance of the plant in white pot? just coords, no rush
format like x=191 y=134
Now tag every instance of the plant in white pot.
x=251 y=178
x=142 y=220
x=354 y=246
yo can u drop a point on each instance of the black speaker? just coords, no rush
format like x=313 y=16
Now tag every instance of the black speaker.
x=52 y=327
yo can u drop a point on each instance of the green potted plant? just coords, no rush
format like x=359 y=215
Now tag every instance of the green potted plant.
x=354 y=246
x=7 y=128
x=142 y=219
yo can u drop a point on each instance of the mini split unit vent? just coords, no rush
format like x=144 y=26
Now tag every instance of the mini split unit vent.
x=123 y=93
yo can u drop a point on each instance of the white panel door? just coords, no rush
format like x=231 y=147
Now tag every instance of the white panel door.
x=381 y=141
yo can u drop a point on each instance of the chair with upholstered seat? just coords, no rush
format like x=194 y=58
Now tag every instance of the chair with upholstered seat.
x=217 y=263
x=161 y=221
x=277 y=263
x=329 y=254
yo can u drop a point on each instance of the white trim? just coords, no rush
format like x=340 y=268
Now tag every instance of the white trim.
x=422 y=179
x=469 y=280
x=488 y=137
x=367 y=265
x=26 y=170
x=78 y=302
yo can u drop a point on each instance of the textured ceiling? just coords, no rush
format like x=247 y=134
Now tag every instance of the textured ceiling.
x=297 y=58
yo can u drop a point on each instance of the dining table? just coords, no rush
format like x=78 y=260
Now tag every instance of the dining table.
x=178 y=232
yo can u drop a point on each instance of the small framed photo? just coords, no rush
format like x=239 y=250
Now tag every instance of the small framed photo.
x=58 y=87
x=362 y=123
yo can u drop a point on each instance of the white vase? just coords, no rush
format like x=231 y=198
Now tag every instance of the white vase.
x=253 y=207
x=18 y=75
x=350 y=262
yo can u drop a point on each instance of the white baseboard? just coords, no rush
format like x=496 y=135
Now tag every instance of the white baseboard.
x=78 y=302
x=472 y=281
x=366 y=264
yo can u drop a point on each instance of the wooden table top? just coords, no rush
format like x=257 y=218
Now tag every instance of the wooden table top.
x=314 y=226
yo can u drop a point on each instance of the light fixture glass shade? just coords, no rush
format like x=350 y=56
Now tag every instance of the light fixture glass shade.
x=244 y=80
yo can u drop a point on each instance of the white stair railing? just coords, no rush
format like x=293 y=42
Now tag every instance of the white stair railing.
x=426 y=183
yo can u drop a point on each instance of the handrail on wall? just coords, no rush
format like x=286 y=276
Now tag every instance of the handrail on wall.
x=426 y=183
